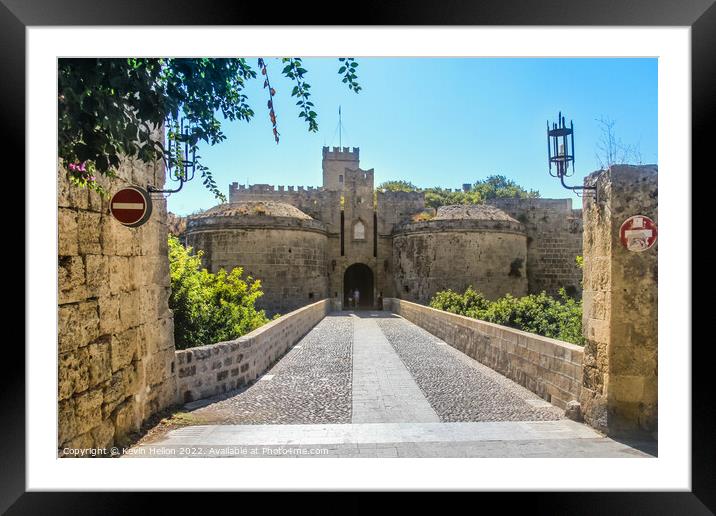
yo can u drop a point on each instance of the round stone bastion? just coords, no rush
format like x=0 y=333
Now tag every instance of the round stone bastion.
x=273 y=242
x=474 y=245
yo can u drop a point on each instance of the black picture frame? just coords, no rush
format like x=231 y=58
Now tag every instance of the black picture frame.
x=700 y=15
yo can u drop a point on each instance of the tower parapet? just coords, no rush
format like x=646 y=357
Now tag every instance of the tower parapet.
x=335 y=163
x=341 y=153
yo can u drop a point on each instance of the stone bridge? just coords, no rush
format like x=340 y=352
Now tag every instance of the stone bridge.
x=406 y=381
x=374 y=384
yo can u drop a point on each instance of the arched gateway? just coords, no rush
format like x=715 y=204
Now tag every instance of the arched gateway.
x=358 y=276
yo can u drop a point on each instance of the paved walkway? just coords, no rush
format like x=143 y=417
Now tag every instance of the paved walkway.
x=384 y=391
x=371 y=384
x=562 y=438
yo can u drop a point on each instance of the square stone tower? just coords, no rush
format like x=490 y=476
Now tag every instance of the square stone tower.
x=335 y=162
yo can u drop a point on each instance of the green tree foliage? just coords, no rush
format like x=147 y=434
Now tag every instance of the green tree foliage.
x=398 y=186
x=493 y=187
x=436 y=197
x=557 y=318
x=112 y=108
x=208 y=307
x=498 y=186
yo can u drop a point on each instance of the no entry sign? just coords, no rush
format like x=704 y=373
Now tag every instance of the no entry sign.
x=638 y=233
x=131 y=206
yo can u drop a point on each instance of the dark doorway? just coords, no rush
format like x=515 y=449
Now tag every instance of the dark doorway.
x=358 y=276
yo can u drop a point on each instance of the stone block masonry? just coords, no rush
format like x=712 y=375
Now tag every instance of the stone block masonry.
x=554 y=240
x=115 y=329
x=550 y=368
x=206 y=371
x=620 y=387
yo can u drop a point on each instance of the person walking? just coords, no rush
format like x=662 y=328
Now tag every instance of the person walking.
x=356 y=298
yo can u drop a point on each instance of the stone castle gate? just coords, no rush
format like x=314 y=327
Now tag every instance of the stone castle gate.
x=359 y=277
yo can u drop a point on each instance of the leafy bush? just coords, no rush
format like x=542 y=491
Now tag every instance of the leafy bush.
x=209 y=307
x=471 y=303
x=557 y=318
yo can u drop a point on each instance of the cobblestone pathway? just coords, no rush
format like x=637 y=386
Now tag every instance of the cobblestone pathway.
x=371 y=384
x=310 y=384
x=458 y=387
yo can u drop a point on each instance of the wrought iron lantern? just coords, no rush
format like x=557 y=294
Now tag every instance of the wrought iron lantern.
x=560 y=152
x=179 y=158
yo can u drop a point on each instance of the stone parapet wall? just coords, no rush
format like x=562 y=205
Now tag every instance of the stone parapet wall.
x=115 y=329
x=550 y=368
x=206 y=371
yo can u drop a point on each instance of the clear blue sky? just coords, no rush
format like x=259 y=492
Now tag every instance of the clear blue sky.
x=437 y=122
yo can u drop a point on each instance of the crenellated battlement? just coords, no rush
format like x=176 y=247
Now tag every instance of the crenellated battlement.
x=271 y=189
x=335 y=163
x=297 y=196
x=341 y=153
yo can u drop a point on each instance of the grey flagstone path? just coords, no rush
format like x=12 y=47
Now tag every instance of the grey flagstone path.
x=561 y=438
x=277 y=435
x=383 y=389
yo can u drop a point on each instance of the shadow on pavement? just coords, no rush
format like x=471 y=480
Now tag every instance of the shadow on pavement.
x=643 y=444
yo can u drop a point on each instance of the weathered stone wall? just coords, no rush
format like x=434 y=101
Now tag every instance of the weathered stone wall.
x=385 y=267
x=115 y=329
x=214 y=369
x=550 y=368
x=436 y=255
x=554 y=240
x=619 y=393
x=288 y=256
x=396 y=208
